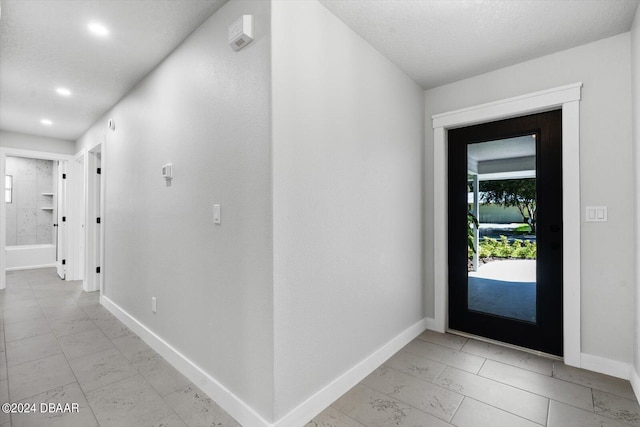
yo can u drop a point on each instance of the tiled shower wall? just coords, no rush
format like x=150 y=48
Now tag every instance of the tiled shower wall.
x=27 y=222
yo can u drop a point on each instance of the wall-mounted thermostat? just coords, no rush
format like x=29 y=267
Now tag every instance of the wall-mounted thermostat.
x=241 y=32
x=167 y=171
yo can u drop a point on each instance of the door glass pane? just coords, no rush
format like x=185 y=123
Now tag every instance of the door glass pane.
x=502 y=234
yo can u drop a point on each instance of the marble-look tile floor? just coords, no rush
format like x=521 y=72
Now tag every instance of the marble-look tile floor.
x=58 y=345
x=446 y=380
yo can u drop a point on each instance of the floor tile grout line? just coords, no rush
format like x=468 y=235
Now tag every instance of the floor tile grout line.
x=468 y=340
x=6 y=362
x=349 y=417
x=506 y=363
x=595 y=388
x=11 y=416
x=169 y=405
x=509 y=412
x=537 y=394
x=130 y=363
x=591 y=387
x=15 y=340
x=434 y=360
x=402 y=401
x=483 y=363
x=24 y=399
x=477 y=400
x=482 y=356
x=457 y=409
x=413 y=406
x=72 y=372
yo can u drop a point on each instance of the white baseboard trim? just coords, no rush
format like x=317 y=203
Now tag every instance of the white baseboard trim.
x=30 y=267
x=228 y=401
x=635 y=381
x=434 y=325
x=235 y=406
x=315 y=404
x=605 y=366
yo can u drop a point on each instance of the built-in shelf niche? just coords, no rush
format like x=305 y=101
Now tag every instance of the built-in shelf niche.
x=47 y=208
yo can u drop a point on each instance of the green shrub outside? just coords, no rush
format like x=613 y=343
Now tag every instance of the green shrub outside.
x=494 y=248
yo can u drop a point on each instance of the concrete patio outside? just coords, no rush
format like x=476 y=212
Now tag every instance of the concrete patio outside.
x=504 y=288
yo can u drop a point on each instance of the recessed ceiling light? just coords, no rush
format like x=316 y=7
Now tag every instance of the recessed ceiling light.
x=98 y=29
x=63 y=91
x=46 y=122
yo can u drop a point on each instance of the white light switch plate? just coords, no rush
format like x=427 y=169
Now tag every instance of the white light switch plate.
x=596 y=214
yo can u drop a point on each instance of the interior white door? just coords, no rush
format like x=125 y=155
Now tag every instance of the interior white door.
x=61 y=219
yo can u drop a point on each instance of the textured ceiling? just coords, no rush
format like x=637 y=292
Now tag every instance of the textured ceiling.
x=441 y=41
x=45 y=44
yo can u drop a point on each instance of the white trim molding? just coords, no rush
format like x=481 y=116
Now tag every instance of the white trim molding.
x=605 y=366
x=565 y=97
x=30 y=267
x=635 y=381
x=234 y=405
x=227 y=400
x=315 y=404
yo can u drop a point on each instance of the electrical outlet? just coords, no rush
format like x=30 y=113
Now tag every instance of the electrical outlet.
x=154 y=305
x=216 y=214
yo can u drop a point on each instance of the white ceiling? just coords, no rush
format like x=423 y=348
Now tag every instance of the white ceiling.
x=45 y=44
x=509 y=148
x=441 y=41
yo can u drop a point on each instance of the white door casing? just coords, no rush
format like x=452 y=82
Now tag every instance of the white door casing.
x=93 y=210
x=61 y=235
x=568 y=99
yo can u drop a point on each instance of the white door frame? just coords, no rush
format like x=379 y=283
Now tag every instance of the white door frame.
x=567 y=98
x=76 y=216
x=61 y=226
x=94 y=236
x=16 y=152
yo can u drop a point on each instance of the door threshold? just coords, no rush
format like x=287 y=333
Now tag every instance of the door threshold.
x=504 y=344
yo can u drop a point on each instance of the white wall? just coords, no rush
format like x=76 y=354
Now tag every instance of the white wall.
x=29 y=221
x=606 y=174
x=206 y=109
x=347 y=184
x=36 y=143
x=635 y=83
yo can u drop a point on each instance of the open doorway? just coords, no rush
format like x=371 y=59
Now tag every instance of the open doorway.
x=30 y=208
x=33 y=208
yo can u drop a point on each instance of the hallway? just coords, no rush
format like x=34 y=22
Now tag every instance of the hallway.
x=61 y=346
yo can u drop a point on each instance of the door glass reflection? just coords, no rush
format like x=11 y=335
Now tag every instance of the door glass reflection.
x=502 y=227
